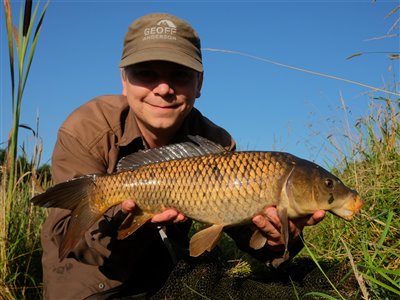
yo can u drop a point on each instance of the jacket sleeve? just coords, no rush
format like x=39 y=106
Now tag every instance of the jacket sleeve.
x=71 y=159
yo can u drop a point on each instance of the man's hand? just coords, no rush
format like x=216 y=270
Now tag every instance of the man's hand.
x=167 y=216
x=269 y=223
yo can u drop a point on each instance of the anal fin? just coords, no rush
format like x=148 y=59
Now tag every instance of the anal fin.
x=205 y=240
x=133 y=222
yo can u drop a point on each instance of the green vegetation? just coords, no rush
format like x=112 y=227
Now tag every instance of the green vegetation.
x=372 y=167
x=20 y=272
x=369 y=161
x=20 y=252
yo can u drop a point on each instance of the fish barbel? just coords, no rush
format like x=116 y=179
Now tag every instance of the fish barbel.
x=206 y=183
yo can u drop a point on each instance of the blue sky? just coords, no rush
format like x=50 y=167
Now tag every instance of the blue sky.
x=263 y=105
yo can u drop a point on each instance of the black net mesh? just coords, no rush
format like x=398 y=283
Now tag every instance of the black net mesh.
x=206 y=278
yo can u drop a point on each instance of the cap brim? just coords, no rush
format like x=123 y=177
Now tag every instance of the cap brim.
x=163 y=54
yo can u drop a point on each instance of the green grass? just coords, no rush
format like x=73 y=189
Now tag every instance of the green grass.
x=372 y=240
x=20 y=247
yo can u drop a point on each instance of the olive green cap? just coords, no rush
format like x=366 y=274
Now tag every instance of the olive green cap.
x=161 y=36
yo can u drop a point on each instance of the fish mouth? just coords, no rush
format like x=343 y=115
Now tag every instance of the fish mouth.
x=351 y=208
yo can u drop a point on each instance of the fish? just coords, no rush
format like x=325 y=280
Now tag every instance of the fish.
x=207 y=183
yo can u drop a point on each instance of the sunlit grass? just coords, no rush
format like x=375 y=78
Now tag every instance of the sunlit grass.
x=373 y=168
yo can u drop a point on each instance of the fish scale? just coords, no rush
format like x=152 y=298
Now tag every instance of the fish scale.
x=244 y=181
x=206 y=183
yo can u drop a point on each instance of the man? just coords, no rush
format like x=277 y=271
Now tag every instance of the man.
x=162 y=75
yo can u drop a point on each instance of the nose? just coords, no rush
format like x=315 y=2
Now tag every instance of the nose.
x=163 y=88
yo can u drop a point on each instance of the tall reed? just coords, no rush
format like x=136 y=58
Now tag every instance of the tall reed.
x=16 y=211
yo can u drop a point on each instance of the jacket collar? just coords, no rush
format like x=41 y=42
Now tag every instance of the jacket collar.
x=131 y=130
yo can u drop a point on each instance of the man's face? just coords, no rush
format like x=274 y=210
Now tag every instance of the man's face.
x=161 y=94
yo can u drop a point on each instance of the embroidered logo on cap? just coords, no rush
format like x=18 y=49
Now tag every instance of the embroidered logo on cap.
x=165 y=30
x=166 y=23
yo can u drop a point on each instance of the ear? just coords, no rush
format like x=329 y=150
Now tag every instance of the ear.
x=124 y=81
x=199 y=84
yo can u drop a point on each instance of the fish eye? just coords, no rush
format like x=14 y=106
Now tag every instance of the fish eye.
x=329 y=183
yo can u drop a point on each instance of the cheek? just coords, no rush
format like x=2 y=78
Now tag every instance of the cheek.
x=190 y=103
x=186 y=108
x=134 y=93
x=191 y=90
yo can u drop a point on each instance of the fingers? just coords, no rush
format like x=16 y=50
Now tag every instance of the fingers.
x=269 y=223
x=169 y=215
x=127 y=206
x=266 y=226
x=317 y=217
x=313 y=219
x=271 y=232
x=271 y=213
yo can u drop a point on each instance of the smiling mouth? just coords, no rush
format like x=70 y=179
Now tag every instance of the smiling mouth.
x=164 y=107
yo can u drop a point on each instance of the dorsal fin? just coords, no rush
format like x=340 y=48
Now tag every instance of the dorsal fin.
x=196 y=146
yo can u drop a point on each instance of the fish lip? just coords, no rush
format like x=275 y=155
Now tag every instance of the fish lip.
x=347 y=212
x=347 y=218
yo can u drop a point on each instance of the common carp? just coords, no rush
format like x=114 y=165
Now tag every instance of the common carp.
x=206 y=183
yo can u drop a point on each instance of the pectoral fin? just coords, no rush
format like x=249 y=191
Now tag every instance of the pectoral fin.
x=132 y=223
x=282 y=212
x=205 y=239
x=257 y=240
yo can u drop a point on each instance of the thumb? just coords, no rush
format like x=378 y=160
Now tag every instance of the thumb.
x=128 y=206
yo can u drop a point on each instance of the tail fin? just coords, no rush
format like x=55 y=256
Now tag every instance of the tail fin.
x=74 y=195
x=66 y=194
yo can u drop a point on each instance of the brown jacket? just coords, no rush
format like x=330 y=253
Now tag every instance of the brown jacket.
x=92 y=140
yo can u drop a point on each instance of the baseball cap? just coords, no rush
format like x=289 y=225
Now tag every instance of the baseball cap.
x=161 y=36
